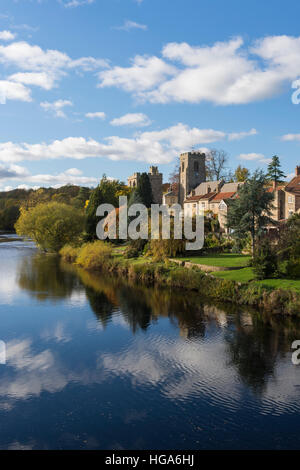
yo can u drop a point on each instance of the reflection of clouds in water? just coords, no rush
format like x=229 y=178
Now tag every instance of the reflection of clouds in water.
x=56 y=333
x=186 y=369
x=77 y=298
x=8 y=286
x=181 y=369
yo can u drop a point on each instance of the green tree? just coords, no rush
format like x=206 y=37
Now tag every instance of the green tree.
x=250 y=212
x=274 y=172
x=107 y=192
x=144 y=190
x=241 y=174
x=264 y=261
x=51 y=225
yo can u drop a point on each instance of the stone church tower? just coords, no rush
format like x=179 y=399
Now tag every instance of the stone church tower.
x=192 y=173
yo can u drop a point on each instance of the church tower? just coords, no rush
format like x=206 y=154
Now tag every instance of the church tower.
x=192 y=173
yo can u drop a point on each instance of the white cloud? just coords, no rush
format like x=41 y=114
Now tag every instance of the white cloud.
x=7 y=35
x=254 y=157
x=41 y=79
x=224 y=73
x=35 y=66
x=75 y=3
x=56 y=107
x=10 y=90
x=291 y=137
x=132 y=119
x=12 y=172
x=128 y=25
x=144 y=74
x=152 y=147
x=97 y=115
x=241 y=135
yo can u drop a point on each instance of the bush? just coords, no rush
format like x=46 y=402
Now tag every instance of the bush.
x=51 y=225
x=264 y=262
x=69 y=253
x=293 y=269
x=93 y=255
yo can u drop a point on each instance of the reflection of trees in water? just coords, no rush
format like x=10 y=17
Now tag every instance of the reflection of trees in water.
x=255 y=347
x=100 y=305
x=42 y=277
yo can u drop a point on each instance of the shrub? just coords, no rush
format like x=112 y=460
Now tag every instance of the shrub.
x=93 y=255
x=69 y=253
x=292 y=269
x=264 y=262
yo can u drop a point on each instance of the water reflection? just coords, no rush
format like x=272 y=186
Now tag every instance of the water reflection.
x=105 y=363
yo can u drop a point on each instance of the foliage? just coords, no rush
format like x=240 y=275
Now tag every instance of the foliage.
x=12 y=201
x=274 y=172
x=241 y=174
x=107 y=192
x=250 y=212
x=51 y=225
x=69 y=253
x=264 y=262
x=144 y=190
x=93 y=255
x=293 y=268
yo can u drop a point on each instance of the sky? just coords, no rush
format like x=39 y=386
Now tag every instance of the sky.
x=93 y=87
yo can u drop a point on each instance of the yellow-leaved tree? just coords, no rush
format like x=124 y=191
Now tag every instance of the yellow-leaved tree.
x=51 y=225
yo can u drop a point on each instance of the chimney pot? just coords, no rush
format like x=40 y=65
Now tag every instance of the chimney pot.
x=297 y=170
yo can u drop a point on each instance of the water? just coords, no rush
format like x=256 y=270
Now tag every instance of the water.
x=93 y=363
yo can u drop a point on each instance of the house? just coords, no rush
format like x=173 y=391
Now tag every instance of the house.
x=292 y=195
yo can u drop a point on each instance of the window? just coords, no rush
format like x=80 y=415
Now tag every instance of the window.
x=182 y=166
x=196 y=167
x=290 y=199
x=203 y=204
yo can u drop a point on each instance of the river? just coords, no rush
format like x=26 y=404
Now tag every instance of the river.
x=94 y=363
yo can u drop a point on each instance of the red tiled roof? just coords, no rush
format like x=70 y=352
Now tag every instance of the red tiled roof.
x=294 y=185
x=201 y=196
x=221 y=196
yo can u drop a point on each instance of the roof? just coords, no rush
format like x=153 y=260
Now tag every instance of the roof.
x=223 y=196
x=271 y=189
x=294 y=185
x=202 y=196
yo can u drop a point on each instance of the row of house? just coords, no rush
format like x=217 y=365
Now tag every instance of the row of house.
x=211 y=197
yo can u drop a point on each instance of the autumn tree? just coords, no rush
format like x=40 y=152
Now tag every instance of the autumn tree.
x=241 y=174
x=216 y=164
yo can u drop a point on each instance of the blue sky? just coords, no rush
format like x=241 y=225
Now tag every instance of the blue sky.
x=111 y=86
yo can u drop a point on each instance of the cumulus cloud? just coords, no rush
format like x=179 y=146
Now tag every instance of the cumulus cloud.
x=37 y=67
x=56 y=107
x=241 y=135
x=75 y=3
x=291 y=137
x=224 y=73
x=10 y=90
x=144 y=74
x=151 y=147
x=132 y=119
x=7 y=35
x=97 y=115
x=254 y=157
x=17 y=173
x=128 y=25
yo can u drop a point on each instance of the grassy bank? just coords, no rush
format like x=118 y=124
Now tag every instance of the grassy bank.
x=99 y=256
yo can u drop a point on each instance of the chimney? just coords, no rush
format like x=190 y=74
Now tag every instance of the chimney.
x=297 y=170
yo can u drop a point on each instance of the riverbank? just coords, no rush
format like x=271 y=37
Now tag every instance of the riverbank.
x=144 y=270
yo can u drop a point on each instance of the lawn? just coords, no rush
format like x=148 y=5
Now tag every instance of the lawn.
x=246 y=275
x=227 y=260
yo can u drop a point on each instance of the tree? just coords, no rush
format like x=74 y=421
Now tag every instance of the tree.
x=106 y=193
x=274 y=172
x=216 y=161
x=241 y=174
x=250 y=212
x=144 y=190
x=82 y=197
x=51 y=225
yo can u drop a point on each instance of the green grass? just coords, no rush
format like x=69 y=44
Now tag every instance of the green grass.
x=239 y=275
x=246 y=275
x=227 y=260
